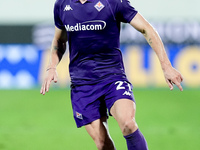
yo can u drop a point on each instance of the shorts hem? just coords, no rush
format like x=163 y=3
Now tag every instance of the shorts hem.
x=89 y=121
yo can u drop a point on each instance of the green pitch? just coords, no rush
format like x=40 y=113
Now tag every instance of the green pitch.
x=170 y=120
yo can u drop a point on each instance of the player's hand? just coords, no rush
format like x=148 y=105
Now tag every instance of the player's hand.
x=50 y=76
x=172 y=76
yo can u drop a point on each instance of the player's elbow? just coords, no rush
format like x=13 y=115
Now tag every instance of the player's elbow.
x=148 y=31
x=144 y=32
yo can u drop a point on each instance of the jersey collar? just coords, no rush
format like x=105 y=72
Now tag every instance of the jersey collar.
x=75 y=1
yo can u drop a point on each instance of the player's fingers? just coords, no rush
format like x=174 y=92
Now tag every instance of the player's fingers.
x=48 y=84
x=170 y=84
x=43 y=88
x=181 y=78
x=178 y=84
x=55 y=79
x=178 y=79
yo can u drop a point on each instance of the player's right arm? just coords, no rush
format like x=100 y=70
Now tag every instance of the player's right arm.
x=58 y=48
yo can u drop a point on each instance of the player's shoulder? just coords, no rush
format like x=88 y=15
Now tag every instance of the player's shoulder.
x=59 y=2
x=114 y=2
x=118 y=3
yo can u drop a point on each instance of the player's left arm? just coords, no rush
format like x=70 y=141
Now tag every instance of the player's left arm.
x=172 y=76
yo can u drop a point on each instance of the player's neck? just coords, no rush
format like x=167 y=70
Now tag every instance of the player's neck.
x=83 y=1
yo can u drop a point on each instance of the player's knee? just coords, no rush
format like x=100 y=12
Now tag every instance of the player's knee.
x=129 y=126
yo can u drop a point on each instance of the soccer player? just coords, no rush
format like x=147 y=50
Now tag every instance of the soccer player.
x=98 y=80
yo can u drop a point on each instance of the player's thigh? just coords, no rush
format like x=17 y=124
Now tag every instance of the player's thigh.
x=123 y=110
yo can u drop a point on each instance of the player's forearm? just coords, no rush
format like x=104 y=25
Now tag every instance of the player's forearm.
x=152 y=37
x=57 y=50
x=156 y=43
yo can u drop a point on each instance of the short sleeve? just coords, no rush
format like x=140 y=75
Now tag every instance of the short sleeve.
x=57 y=17
x=125 y=12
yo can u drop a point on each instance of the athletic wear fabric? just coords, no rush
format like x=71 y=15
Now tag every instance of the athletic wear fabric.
x=90 y=102
x=93 y=30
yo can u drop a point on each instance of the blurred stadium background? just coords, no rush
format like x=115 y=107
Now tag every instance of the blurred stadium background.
x=29 y=121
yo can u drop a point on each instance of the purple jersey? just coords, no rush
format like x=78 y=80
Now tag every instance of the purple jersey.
x=93 y=30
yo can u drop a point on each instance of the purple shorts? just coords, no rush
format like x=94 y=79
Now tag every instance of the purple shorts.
x=91 y=102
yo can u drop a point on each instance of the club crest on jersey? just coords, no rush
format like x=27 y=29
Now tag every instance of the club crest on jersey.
x=79 y=115
x=99 y=6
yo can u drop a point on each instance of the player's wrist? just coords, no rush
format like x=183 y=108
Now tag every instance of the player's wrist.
x=166 y=65
x=49 y=68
